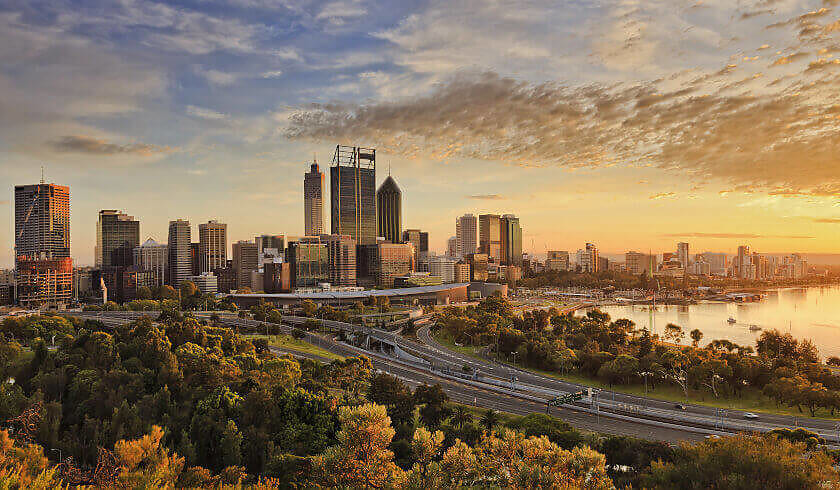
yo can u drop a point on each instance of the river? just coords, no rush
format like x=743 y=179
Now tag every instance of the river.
x=807 y=313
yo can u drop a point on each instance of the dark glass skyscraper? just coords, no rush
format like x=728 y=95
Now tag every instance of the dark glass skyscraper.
x=352 y=193
x=117 y=235
x=389 y=211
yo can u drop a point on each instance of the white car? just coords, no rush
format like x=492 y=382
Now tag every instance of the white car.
x=750 y=415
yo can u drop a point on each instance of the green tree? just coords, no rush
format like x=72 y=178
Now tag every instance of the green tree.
x=696 y=337
x=744 y=461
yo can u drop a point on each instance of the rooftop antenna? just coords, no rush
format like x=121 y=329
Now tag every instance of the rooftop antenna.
x=314 y=157
x=42 y=174
x=389 y=169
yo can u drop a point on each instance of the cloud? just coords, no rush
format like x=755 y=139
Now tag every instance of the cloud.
x=272 y=74
x=834 y=221
x=4 y=202
x=486 y=197
x=204 y=113
x=663 y=195
x=93 y=146
x=220 y=78
x=733 y=235
x=771 y=140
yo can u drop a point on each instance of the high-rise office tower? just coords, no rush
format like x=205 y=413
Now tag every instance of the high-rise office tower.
x=180 y=261
x=389 y=211
x=245 y=261
x=682 y=254
x=42 y=221
x=557 y=260
x=466 y=235
x=393 y=260
x=352 y=193
x=342 y=256
x=511 y=238
x=117 y=235
x=212 y=245
x=153 y=256
x=420 y=241
x=452 y=247
x=587 y=259
x=313 y=201
x=310 y=262
x=43 y=267
x=273 y=244
x=490 y=236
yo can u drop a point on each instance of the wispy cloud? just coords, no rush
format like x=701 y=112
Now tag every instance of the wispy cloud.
x=204 y=113
x=663 y=195
x=834 y=221
x=486 y=197
x=93 y=146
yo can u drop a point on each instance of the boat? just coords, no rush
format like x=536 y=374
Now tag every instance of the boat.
x=730 y=320
x=754 y=328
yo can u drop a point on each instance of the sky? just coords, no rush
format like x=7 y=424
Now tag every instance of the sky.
x=633 y=124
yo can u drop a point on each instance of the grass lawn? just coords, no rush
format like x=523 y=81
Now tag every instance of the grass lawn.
x=290 y=343
x=752 y=400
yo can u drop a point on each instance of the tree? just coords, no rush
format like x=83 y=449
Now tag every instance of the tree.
x=145 y=463
x=143 y=292
x=744 y=461
x=435 y=409
x=674 y=333
x=696 y=337
x=460 y=416
x=362 y=458
x=167 y=292
x=490 y=419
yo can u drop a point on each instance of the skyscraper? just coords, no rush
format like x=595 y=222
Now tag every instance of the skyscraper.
x=342 y=257
x=180 y=262
x=268 y=242
x=420 y=241
x=42 y=221
x=466 y=235
x=153 y=256
x=352 y=193
x=490 y=236
x=682 y=254
x=212 y=245
x=511 y=233
x=310 y=262
x=117 y=235
x=452 y=247
x=389 y=211
x=43 y=267
x=313 y=201
x=245 y=261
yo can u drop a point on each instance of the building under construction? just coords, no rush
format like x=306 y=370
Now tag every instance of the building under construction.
x=353 y=193
x=43 y=268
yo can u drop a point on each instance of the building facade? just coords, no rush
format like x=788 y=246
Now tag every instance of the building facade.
x=490 y=236
x=420 y=241
x=442 y=267
x=117 y=235
x=462 y=271
x=466 y=235
x=313 y=201
x=180 y=259
x=342 y=259
x=43 y=268
x=309 y=259
x=389 y=211
x=245 y=260
x=153 y=256
x=638 y=263
x=557 y=260
x=206 y=282
x=587 y=258
x=511 y=238
x=393 y=260
x=352 y=193
x=212 y=246
x=682 y=254
x=478 y=267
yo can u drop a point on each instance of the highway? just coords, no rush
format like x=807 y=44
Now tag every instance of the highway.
x=624 y=414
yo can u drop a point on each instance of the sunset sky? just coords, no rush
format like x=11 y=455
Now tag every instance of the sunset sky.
x=631 y=124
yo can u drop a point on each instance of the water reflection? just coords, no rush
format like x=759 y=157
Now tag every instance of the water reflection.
x=812 y=313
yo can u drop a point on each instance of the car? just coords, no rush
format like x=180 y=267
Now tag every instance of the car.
x=679 y=406
x=750 y=415
x=712 y=436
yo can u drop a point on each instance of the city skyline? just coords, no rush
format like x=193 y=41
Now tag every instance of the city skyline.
x=231 y=103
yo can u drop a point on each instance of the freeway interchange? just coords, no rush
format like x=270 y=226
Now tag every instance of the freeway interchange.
x=490 y=384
